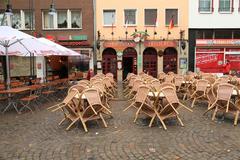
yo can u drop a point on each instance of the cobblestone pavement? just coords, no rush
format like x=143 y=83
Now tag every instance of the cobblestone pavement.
x=37 y=136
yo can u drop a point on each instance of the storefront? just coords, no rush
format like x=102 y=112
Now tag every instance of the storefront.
x=211 y=54
x=150 y=56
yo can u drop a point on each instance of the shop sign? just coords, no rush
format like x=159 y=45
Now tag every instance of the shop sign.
x=119 y=45
x=209 y=50
x=73 y=43
x=217 y=42
x=160 y=44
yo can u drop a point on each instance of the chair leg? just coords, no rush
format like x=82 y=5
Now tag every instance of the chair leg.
x=193 y=102
x=164 y=126
x=236 y=118
x=84 y=124
x=180 y=121
x=214 y=113
x=104 y=122
x=73 y=122
x=61 y=121
x=128 y=107
x=151 y=122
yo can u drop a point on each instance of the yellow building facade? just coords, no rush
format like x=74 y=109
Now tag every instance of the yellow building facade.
x=142 y=36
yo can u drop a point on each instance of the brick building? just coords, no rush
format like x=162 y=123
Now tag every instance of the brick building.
x=71 y=26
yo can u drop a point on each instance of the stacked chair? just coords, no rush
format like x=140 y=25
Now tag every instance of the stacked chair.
x=88 y=101
x=154 y=98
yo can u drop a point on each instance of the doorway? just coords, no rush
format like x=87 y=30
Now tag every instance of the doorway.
x=150 y=61
x=129 y=61
x=170 y=60
x=109 y=62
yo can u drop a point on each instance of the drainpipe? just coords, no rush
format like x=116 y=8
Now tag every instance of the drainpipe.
x=94 y=38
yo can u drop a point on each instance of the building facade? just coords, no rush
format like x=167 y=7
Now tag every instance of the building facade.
x=147 y=36
x=214 y=35
x=71 y=26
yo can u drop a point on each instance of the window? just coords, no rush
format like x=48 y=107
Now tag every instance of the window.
x=130 y=16
x=76 y=19
x=208 y=34
x=62 y=20
x=223 y=34
x=29 y=20
x=109 y=17
x=16 y=20
x=236 y=34
x=150 y=17
x=205 y=5
x=225 y=5
x=171 y=14
x=48 y=20
x=199 y=34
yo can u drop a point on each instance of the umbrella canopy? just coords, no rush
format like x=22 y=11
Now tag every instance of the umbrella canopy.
x=22 y=44
x=16 y=42
x=63 y=51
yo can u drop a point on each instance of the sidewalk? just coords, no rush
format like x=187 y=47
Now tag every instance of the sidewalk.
x=37 y=136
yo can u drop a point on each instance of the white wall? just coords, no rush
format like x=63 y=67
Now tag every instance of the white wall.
x=215 y=19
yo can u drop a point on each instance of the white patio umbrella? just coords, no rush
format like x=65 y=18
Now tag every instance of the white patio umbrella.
x=63 y=50
x=14 y=42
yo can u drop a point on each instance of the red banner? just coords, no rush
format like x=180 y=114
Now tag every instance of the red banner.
x=161 y=44
x=234 y=61
x=210 y=63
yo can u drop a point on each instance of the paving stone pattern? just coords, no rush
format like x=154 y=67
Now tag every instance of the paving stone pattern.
x=37 y=136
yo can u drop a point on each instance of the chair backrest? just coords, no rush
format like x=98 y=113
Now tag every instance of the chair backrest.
x=223 y=79
x=167 y=84
x=172 y=101
x=109 y=75
x=71 y=94
x=93 y=96
x=210 y=79
x=136 y=84
x=161 y=76
x=202 y=85
x=79 y=87
x=84 y=82
x=224 y=91
x=142 y=93
x=169 y=78
x=170 y=94
x=178 y=80
x=155 y=84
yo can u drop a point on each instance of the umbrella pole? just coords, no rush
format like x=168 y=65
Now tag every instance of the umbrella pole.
x=8 y=69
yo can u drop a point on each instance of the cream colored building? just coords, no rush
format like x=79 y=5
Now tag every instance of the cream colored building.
x=134 y=36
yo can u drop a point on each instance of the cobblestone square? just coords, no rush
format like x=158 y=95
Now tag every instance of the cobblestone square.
x=38 y=136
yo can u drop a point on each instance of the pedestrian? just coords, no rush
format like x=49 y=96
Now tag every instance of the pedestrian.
x=89 y=74
x=226 y=68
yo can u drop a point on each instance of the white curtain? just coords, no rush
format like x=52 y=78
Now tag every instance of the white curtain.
x=130 y=16
x=62 y=19
x=76 y=19
x=16 y=20
x=48 y=20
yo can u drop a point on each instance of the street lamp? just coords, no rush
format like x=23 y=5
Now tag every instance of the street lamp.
x=8 y=10
x=52 y=9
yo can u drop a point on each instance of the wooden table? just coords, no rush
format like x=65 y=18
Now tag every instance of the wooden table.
x=13 y=99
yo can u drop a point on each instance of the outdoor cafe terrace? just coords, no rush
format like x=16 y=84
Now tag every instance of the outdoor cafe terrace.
x=192 y=116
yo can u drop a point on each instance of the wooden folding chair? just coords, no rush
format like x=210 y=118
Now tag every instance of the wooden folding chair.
x=169 y=107
x=200 y=91
x=223 y=102
x=95 y=108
